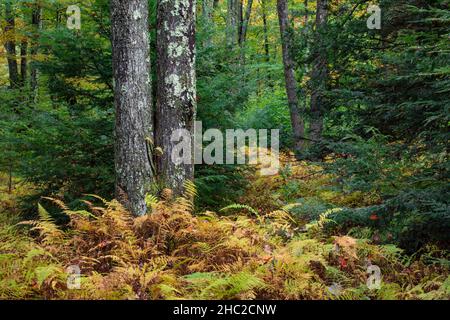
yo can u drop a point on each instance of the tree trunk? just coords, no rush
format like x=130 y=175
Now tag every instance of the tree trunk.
x=23 y=61
x=291 y=83
x=10 y=45
x=245 y=22
x=131 y=72
x=266 y=31
x=207 y=13
x=207 y=9
x=36 y=21
x=176 y=90
x=233 y=22
x=319 y=74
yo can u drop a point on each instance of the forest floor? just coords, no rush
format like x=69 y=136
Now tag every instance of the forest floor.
x=270 y=246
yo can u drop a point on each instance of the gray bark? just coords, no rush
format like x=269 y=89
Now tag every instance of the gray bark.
x=176 y=89
x=207 y=12
x=131 y=72
x=10 y=45
x=291 y=83
x=319 y=74
x=233 y=21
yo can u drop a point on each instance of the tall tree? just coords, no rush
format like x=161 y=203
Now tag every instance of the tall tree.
x=265 y=29
x=207 y=15
x=131 y=71
x=10 y=45
x=233 y=10
x=289 y=75
x=245 y=22
x=319 y=74
x=36 y=21
x=176 y=89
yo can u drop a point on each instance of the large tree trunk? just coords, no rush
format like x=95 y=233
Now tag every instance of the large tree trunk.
x=291 y=83
x=319 y=75
x=176 y=90
x=131 y=71
x=10 y=45
x=36 y=21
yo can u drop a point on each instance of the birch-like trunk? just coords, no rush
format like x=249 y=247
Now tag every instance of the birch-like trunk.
x=131 y=71
x=319 y=74
x=291 y=83
x=10 y=45
x=176 y=89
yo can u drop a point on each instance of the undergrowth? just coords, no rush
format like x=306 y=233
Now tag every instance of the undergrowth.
x=174 y=253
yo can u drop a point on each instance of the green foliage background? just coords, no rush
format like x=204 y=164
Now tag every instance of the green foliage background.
x=386 y=123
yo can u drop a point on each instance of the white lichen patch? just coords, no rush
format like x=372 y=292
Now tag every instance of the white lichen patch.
x=180 y=30
x=173 y=80
x=137 y=15
x=175 y=50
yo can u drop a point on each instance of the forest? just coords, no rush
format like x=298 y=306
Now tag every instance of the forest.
x=224 y=150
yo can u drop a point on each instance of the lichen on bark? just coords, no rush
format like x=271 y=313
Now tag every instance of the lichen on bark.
x=131 y=73
x=176 y=103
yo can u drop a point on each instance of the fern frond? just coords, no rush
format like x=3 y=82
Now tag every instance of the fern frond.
x=48 y=231
x=237 y=206
x=185 y=203
x=58 y=202
x=190 y=190
x=151 y=201
x=98 y=197
x=43 y=214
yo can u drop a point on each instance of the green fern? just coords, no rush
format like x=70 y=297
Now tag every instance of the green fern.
x=190 y=190
x=151 y=201
x=209 y=285
x=237 y=206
